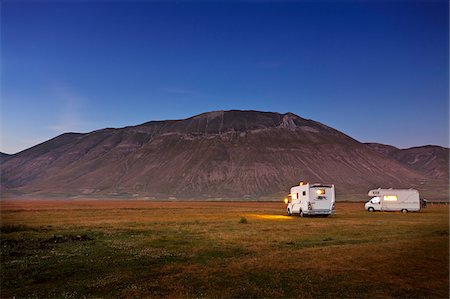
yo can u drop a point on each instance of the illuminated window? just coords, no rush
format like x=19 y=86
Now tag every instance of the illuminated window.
x=320 y=191
x=294 y=195
x=390 y=197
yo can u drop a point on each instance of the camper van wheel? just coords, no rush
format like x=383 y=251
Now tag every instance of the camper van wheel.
x=404 y=211
x=302 y=214
x=289 y=212
x=370 y=209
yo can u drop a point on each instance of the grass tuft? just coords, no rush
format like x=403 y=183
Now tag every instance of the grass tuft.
x=243 y=220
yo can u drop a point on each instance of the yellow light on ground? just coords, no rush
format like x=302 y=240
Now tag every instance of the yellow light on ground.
x=390 y=197
x=269 y=217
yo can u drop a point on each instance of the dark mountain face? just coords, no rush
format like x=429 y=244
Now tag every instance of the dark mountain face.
x=3 y=156
x=226 y=154
x=236 y=121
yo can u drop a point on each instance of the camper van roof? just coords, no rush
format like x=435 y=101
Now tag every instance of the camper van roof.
x=379 y=191
x=322 y=185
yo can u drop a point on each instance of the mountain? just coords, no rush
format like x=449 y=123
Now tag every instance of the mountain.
x=3 y=156
x=430 y=160
x=221 y=154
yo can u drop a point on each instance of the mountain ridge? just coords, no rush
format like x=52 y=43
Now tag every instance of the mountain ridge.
x=220 y=154
x=425 y=158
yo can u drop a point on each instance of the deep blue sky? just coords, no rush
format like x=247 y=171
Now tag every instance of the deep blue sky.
x=376 y=70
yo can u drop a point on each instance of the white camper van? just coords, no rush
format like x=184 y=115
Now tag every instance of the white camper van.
x=307 y=199
x=404 y=200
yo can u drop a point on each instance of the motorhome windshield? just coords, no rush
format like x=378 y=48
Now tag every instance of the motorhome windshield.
x=375 y=199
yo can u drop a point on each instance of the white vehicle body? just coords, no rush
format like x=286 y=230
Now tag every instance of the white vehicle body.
x=404 y=200
x=307 y=199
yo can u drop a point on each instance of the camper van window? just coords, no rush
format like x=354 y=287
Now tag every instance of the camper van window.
x=375 y=200
x=390 y=197
x=320 y=191
x=304 y=193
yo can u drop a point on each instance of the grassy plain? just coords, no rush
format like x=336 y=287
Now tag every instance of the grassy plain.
x=75 y=249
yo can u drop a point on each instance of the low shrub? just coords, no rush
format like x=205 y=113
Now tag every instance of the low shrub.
x=243 y=220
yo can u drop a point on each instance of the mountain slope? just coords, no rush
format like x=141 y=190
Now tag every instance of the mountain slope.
x=227 y=154
x=430 y=160
x=3 y=156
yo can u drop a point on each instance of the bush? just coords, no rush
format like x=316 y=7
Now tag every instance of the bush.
x=243 y=220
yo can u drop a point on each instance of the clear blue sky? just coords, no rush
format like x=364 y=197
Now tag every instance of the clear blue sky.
x=376 y=70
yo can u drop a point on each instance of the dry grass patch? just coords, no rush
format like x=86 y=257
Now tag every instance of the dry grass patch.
x=199 y=249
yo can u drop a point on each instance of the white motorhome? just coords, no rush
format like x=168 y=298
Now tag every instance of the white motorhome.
x=404 y=200
x=311 y=199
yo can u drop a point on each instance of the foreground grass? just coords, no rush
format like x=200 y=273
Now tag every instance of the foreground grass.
x=153 y=249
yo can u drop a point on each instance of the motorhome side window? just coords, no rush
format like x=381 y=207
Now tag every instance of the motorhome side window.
x=390 y=198
x=304 y=193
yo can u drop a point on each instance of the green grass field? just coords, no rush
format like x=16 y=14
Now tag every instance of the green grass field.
x=76 y=249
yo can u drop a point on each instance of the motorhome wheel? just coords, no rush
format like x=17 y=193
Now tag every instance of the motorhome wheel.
x=371 y=209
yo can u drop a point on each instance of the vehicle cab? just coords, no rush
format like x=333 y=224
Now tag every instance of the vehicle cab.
x=374 y=204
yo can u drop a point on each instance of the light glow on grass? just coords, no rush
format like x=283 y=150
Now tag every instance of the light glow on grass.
x=270 y=217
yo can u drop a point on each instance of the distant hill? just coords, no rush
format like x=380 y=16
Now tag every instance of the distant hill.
x=221 y=154
x=430 y=160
